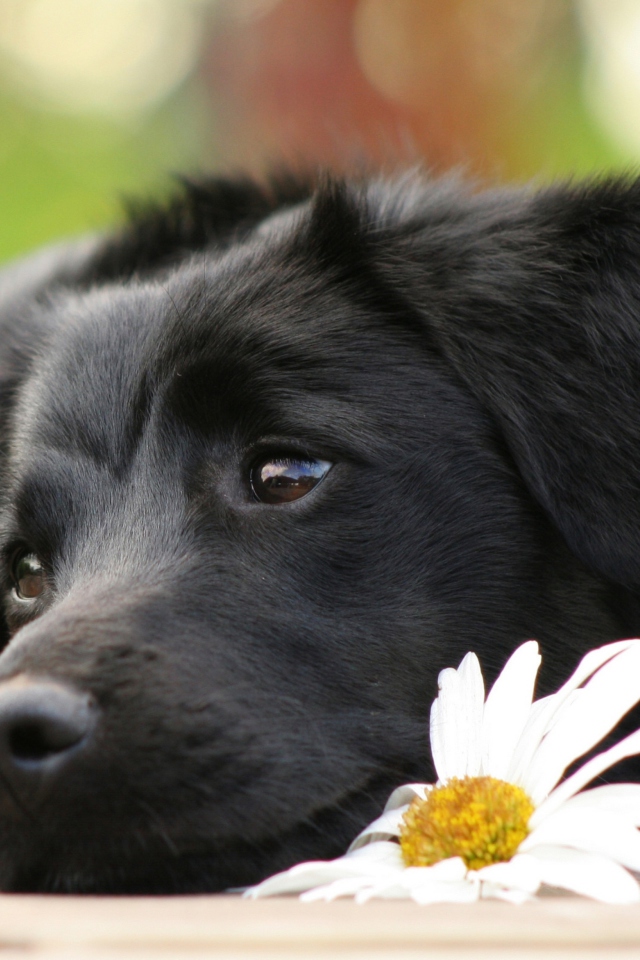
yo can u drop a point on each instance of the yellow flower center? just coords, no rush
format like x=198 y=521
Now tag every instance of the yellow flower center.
x=481 y=819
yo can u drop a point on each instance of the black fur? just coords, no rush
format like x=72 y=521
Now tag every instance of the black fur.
x=471 y=366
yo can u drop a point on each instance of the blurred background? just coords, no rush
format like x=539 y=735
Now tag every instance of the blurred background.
x=100 y=99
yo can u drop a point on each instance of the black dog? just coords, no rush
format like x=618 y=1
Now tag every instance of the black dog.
x=271 y=459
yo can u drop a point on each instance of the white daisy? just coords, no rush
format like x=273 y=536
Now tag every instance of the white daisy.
x=498 y=822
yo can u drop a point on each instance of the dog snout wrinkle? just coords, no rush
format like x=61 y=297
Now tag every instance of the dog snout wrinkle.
x=43 y=725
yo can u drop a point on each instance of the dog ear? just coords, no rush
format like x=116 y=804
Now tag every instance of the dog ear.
x=207 y=213
x=535 y=300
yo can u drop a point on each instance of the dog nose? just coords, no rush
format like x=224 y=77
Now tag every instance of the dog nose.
x=42 y=724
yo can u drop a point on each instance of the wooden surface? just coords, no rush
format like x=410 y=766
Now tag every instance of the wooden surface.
x=192 y=928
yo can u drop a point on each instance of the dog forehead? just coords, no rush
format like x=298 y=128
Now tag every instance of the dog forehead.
x=89 y=362
x=254 y=320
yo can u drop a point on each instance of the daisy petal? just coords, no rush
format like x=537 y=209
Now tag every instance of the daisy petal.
x=386 y=826
x=628 y=747
x=542 y=717
x=347 y=887
x=445 y=881
x=587 y=874
x=592 y=662
x=402 y=796
x=544 y=713
x=447 y=749
x=532 y=733
x=596 y=831
x=445 y=871
x=461 y=892
x=621 y=799
x=382 y=852
x=471 y=713
x=507 y=709
x=375 y=862
x=389 y=822
x=456 y=718
x=608 y=695
x=519 y=873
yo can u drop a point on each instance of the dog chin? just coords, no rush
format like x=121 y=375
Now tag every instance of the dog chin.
x=231 y=867
x=145 y=864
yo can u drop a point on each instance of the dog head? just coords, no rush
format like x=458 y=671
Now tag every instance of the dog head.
x=272 y=461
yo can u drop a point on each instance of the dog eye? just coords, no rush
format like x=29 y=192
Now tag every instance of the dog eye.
x=284 y=479
x=28 y=576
